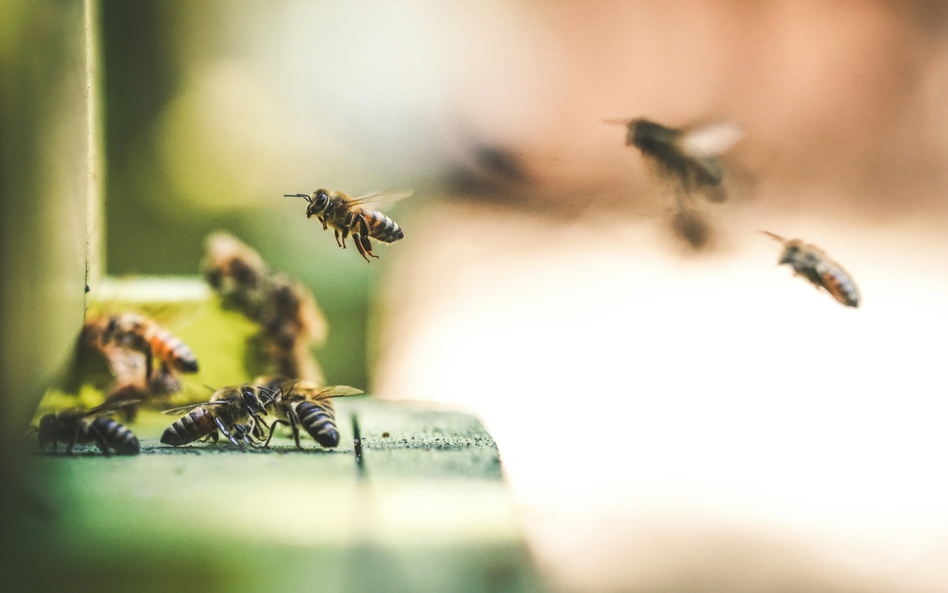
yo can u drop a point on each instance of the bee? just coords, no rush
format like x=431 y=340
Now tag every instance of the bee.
x=80 y=426
x=236 y=272
x=138 y=333
x=689 y=155
x=353 y=215
x=292 y=323
x=302 y=404
x=229 y=411
x=814 y=265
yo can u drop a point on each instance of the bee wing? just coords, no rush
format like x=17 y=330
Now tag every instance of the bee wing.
x=109 y=407
x=380 y=200
x=710 y=139
x=336 y=391
x=190 y=407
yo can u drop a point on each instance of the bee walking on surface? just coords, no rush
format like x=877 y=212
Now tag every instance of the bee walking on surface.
x=81 y=426
x=814 y=265
x=228 y=412
x=690 y=155
x=138 y=333
x=303 y=404
x=347 y=215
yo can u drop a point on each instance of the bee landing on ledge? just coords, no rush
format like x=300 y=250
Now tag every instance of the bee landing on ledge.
x=356 y=216
x=301 y=404
x=78 y=426
x=228 y=412
x=814 y=265
x=690 y=155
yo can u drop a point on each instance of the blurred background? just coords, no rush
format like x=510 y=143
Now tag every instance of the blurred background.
x=669 y=418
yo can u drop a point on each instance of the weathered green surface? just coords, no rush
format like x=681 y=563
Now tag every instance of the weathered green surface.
x=429 y=512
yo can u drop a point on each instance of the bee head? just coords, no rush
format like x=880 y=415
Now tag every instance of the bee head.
x=790 y=254
x=47 y=429
x=252 y=400
x=649 y=136
x=317 y=203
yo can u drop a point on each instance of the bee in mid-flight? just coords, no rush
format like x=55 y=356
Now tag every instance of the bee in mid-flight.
x=303 y=404
x=80 y=426
x=355 y=216
x=141 y=334
x=689 y=155
x=814 y=265
x=229 y=411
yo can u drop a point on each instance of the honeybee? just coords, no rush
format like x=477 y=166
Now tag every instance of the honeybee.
x=80 y=426
x=814 y=265
x=138 y=333
x=293 y=323
x=229 y=412
x=353 y=215
x=236 y=272
x=689 y=155
x=302 y=403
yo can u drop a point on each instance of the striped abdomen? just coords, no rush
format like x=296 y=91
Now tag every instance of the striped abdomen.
x=196 y=425
x=116 y=436
x=839 y=284
x=381 y=227
x=169 y=348
x=319 y=420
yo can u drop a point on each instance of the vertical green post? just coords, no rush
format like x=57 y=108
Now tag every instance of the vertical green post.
x=50 y=194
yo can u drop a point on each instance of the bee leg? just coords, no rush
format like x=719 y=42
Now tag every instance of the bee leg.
x=100 y=441
x=295 y=425
x=343 y=244
x=322 y=220
x=148 y=362
x=72 y=442
x=362 y=238
x=272 y=428
x=345 y=233
x=225 y=432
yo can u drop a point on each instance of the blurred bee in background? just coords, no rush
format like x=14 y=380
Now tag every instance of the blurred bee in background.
x=236 y=272
x=292 y=323
x=814 y=265
x=81 y=426
x=688 y=155
x=141 y=334
x=302 y=404
x=129 y=343
x=354 y=215
x=229 y=412
x=286 y=310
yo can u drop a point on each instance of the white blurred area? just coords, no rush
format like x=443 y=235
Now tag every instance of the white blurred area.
x=654 y=413
x=666 y=422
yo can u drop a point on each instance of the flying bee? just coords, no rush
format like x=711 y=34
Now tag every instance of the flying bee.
x=302 y=404
x=229 y=411
x=80 y=426
x=138 y=333
x=354 y=215
x=814 y=265
x=690 y=155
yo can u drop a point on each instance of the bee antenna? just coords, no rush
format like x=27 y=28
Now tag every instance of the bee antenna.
x=774 y=236
x=209 y=387
x=304 y=196
x=621 y=122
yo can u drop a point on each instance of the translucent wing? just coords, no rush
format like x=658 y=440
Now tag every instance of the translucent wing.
x=380 y=200
x=109 y=407
x=336 y=391
x=710 y=139
x=190 y=407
